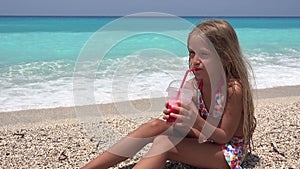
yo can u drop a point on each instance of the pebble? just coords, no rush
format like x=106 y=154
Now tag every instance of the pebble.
x=69 y=144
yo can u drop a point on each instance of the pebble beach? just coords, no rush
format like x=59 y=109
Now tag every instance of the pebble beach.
x=57 y=138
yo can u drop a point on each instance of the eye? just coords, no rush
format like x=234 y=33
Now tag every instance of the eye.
x=204 y=54
x=191 y=53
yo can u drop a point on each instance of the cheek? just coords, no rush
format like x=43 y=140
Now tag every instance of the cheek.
x=209 y=67
x=205 y=73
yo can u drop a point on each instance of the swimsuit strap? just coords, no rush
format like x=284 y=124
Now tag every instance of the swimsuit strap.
x=202 y=108
x=219 y=101
x=218 y=109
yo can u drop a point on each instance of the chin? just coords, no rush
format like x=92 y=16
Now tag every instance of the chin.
x=198 y=77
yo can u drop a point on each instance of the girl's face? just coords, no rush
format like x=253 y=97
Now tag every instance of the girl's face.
x=198 y=57
x=196 y=62
x=203 y=55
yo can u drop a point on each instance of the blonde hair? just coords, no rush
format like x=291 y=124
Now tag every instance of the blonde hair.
x=223 y=37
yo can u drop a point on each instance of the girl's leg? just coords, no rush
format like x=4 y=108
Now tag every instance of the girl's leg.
x=188 y=151
x=156 y=156
x=129 y=146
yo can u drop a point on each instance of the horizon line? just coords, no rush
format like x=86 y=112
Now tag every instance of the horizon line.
x=118 y=16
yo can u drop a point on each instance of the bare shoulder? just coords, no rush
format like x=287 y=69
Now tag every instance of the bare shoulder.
x=235 y=88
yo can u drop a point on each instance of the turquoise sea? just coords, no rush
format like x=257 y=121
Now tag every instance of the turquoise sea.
x=39 y=57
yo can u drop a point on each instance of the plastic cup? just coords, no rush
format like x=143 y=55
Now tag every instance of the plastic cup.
x=185 y=97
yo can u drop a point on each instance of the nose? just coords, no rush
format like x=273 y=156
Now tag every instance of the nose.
x=196 y=61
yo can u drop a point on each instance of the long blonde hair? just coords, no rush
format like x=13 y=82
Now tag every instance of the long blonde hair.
x=222 y=35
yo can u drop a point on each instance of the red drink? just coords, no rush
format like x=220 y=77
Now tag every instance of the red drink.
x=173 y=99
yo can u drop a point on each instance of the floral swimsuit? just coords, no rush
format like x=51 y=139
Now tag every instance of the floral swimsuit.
x=234 y=151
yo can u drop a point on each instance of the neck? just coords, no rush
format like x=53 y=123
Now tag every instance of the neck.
x=206 y=83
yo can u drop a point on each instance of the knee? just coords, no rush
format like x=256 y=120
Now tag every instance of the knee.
x=157 y=126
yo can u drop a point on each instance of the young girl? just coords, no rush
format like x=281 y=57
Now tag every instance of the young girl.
x=227 y=143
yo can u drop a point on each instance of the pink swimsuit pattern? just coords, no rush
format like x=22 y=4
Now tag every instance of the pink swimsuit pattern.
x=234 y=151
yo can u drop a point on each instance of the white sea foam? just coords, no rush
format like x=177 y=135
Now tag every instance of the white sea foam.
x=48 y=84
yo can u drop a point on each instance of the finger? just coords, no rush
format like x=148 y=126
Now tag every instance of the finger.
x=184 y=105
x=182 y=111
x=167 y=104
x=175 y=107
x=174 y=115
x=185 y=109
x=178 y=102
x=178 y=116
x=167 y=111
x=183 y=117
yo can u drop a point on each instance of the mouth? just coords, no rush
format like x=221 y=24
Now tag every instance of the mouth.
x=195 y=69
